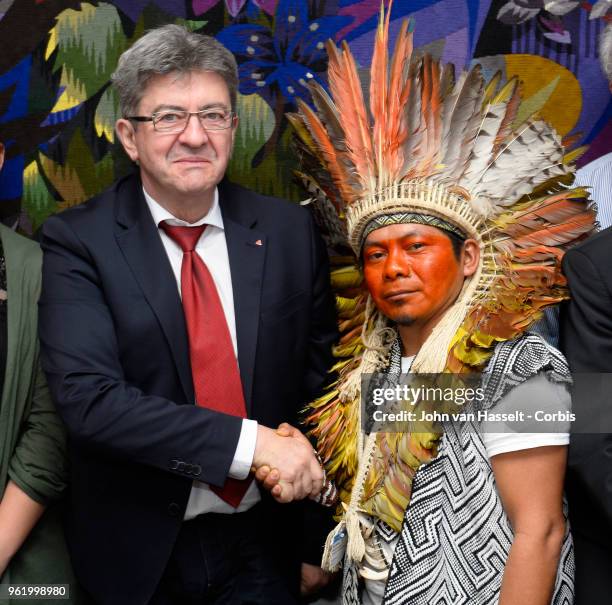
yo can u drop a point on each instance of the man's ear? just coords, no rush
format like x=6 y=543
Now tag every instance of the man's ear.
x=234 y=130
x=1 y=155
x=127 y=135
x=471 y=257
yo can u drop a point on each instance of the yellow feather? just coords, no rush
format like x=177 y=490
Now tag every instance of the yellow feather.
x=491 y=89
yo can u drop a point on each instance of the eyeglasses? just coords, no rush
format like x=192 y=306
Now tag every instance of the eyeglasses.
x=174 y=121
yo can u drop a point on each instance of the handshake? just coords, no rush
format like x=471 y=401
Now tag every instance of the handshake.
x=286 y=464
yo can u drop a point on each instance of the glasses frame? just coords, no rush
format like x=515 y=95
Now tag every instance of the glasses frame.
x=152 y=117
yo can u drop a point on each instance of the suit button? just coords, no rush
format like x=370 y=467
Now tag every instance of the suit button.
x=197 y=469
x=174 y=510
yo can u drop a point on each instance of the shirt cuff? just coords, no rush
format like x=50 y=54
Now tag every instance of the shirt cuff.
x=245 y=450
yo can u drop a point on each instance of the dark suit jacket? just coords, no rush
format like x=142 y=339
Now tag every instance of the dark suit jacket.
x=586 y=341
x=115 y=351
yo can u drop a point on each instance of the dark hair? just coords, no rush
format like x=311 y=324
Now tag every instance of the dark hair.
x=456 y=241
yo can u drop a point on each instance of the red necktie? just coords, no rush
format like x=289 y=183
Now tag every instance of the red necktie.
x=216 y=379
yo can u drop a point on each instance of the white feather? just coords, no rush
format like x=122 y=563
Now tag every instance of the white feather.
x=512 y=174
x=465 y=119
x=484 y=144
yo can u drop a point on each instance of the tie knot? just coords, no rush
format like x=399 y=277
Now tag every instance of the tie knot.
x=185 y=237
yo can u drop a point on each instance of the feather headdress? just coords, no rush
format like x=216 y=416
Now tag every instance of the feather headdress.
x=429 y=144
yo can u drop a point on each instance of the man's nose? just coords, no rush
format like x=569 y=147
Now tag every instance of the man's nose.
x=194 y=135
x=397 y=265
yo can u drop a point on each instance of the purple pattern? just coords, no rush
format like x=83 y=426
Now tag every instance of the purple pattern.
x=269 y=6
x=201 y=6
x=233 y=6
x=431 y=25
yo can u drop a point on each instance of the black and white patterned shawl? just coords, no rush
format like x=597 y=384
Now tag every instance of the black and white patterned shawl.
x=456 y=537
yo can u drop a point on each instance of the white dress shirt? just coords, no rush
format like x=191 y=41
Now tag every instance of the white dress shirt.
x=212 y=249
x=598 y=176
x=535 y=394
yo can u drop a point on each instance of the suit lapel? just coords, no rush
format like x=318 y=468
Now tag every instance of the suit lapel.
x=246 y=248
x=143 y=250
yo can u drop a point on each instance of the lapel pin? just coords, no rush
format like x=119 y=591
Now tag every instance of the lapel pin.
x=258 y=242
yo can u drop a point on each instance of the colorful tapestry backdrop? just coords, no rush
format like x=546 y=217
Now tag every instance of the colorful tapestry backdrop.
x=57 y=110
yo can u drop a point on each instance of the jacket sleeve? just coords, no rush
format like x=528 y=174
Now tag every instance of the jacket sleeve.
x=586 y=321
x=586 y=340
x=38 y=464
x=103 y=411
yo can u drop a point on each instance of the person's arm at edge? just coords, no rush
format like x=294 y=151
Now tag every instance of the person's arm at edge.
x=37 y=472
x=530 y=485
x=585 y=322
x=18 y=515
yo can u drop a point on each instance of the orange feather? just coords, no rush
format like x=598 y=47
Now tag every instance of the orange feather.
x=378 y=92
x=505 y=128
x=328 y=152
x=547 y=211
x=347 y=93
x=558 y=234
x=399 y=89
x=430 y=110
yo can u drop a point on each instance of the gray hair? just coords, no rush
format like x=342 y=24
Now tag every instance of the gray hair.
x=605 y=51
x=168 y=49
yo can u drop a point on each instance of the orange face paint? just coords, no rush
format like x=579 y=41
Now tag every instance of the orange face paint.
x=411 y=272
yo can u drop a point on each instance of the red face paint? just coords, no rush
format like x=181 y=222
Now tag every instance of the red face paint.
x=411 y=272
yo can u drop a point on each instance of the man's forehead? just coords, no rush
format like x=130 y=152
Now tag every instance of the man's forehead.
x=206 y=87
x=400 y=231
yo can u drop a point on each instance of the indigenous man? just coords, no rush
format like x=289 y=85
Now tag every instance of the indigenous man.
x=458 y=217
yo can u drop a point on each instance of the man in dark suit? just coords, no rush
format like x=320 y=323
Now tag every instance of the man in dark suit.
x=176 y=288
x=586 y=341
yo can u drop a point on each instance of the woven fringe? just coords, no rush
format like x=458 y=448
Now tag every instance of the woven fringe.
x=375 y=566
x=355 y=549
x=433 y=355
x=377 y=337
x=326 y=562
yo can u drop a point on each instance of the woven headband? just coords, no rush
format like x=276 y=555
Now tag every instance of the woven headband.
x=401 y=218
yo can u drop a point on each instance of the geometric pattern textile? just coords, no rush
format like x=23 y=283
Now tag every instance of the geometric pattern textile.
x=411 y=217
x=456 y=537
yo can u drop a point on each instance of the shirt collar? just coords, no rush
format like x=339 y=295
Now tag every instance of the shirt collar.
x=159 y=213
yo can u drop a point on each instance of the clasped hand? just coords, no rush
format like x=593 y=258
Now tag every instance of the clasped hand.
x=286 y=464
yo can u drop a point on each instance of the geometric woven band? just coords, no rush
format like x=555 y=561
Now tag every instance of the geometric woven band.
x=401 y=218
